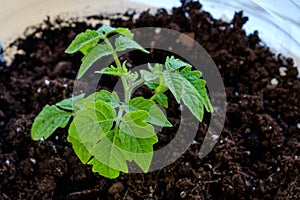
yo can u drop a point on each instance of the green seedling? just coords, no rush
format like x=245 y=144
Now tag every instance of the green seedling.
x=107 y=132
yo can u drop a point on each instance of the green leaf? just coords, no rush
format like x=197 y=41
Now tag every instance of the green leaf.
x=187 y=89
x=79 y=148
x=103 y=170
x=48 y=120
x=148 y=76
x=110 y=98
x=162 y=99
x=83 y=42
x=193 y=101
x=107 y=30
x=94 y=121
x=123 y=31
x=174 y=81
x=140 y=150
x=104 y=29
x=151 y=85
x=194 y=78
x=122 y=43
x=134 y=123
x=108 y=152
x=156 y=116
x=174 y=63
x=67 y=104
x=93 y=125
x=111 y=71
x=95 y=54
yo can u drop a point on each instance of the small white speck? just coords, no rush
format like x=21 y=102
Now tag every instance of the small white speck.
x=56 y=137
x=47 y=82
x=183 y=194
x=282 y=71
x=177 y=41
x=298 y=125
x=215 y=137
x=278 y=169
x=296 y=157
x=7 y=162
x=222 y=28
x=54 y=148
x=194 y=142
x=241 y=62
x=59 y=169
x=170 y=48
x=65 y=85
x=32 y=160
x=274 y=81
x=42 y=140
x=157 y=30
x=39 y=90
x=209 y=166
x=236 y=94
x=270 y=127
x=248 y=152
x=151 y=189
x=253 y=188
x=187 y=164
x=221 y=141
x=18 y=129
x=180 y=107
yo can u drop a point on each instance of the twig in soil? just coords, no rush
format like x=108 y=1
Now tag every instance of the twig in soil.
x=82 y=193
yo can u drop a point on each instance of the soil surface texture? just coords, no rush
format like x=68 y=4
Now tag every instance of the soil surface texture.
x=257 y=155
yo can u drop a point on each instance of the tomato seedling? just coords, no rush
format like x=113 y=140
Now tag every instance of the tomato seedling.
x=105 y=131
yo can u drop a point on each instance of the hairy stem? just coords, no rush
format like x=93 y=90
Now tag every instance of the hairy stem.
x=118 y=63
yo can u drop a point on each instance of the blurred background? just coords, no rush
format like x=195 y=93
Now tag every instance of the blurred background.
x=277 y=21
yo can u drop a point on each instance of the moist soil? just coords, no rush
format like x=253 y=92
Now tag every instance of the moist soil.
x=257 y=155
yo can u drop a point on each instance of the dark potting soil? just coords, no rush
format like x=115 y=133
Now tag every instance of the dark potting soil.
x=258 y=153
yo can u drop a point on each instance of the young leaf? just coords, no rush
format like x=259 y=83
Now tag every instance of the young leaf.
x=103 y=170
x=110 y=98
x=193 y=101
x=151 y=85
x=108 y=152
x=79 y=148
x=122 y=43
x=98 y=52
x=48 y=120
x=194 y=78
x=104 y=29
x=123 y=31
x=156 y=116
x=148 y=76
x=184 y=88
x=139 y=149
x=107 y=30
x=94 y=121
x=162 y=99
x=174 y=63
x=111 y=71
x=67 y=104
x=134 y=124
x=175 y=83
x=84 y=41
